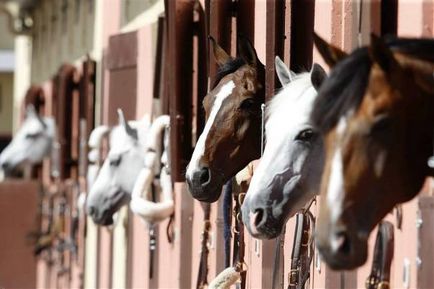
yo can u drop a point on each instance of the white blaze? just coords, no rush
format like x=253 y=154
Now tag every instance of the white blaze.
x=199 y=150
x=336 y=181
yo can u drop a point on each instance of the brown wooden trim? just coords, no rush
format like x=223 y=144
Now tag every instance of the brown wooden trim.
x=180 y=39
x=63 y=96
x=219 y=13
x=302 y=25
x=275 y=43
x=246 y=18
x=35 y=96
x=200 y=50
x=389 y=17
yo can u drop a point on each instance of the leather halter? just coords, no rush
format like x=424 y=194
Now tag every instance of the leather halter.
x=302 y=251
x=383 y=254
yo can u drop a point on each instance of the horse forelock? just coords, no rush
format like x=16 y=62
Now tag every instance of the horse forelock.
x=343 y=90
x=226 y=69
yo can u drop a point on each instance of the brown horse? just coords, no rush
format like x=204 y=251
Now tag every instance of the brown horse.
x=231 y=137
x=376 y=113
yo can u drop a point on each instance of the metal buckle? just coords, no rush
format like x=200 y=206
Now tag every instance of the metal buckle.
x=370 y=282
x=293 y=277
x=383 y=285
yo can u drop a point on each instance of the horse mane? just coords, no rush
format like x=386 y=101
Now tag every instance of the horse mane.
x=228 y=68
x=345 y=87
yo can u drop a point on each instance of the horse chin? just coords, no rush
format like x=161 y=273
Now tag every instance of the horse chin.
x=208 y=194
x=356 y=258
x=270 y=231
x=269 y=234
x=355 y=261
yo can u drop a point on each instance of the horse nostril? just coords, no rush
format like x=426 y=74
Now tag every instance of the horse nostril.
x=5 y=166
x=204 y=176
x=259 y=215
x=341 y=243
x=91 y=210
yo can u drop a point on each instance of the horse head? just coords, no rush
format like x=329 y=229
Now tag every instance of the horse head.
x=375 y=112
x=231 y=137
x=31 y=144
x=115 y=181
x=288 y=174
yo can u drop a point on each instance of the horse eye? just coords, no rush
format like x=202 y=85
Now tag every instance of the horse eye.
x=247 y=104
x=381 y=123
x=32 y=135
x=305 y=135
x=114 y=162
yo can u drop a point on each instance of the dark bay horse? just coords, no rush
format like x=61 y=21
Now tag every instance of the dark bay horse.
x=232 y=135
x=376 y=114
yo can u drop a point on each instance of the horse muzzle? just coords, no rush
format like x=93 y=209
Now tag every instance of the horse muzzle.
x=203 y=187
x=260 y=222
x=342 y=250
x=103 y=214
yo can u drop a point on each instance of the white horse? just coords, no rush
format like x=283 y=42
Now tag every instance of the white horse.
x=289 y=171
x=115 y=181
x=31 y=144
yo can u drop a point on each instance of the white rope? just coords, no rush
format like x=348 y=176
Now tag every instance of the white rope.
x=225 y=279
x=152 y=212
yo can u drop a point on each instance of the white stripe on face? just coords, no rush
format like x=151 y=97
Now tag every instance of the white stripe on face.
x=336 y=180
x=199 y=150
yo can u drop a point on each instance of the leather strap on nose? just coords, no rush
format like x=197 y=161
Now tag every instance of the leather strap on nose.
x=302 y=251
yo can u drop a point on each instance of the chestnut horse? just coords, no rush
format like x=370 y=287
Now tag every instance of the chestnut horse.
x=376 y=114
x=232 y=136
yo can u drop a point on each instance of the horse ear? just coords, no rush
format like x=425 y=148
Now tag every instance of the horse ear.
x=283 y=73
x=381 y=54
x=128 y=129
x=30 y=110
x=317 y=75
x=220 y=56
x=329 y=53
x=247 y=51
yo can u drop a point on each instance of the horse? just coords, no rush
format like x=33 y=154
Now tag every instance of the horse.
x=375 y=113
x=231 y=137
x=114 y=183
x=288 y=174
x=31 y=144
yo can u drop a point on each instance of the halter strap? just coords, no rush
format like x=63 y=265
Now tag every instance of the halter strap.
x=202 y=276
x=302 y=251
x=227 y=220
x=280 y=242
x=383 y=254
x=239 y=246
